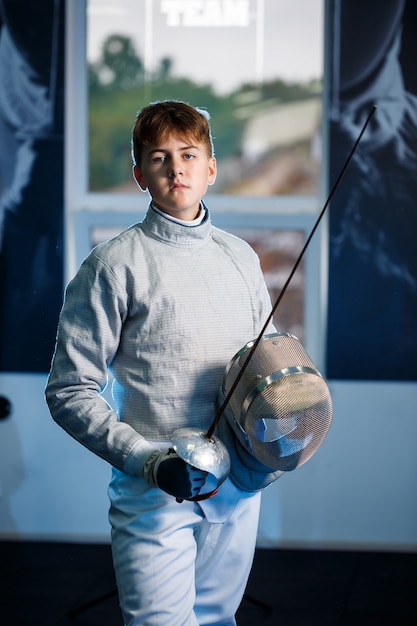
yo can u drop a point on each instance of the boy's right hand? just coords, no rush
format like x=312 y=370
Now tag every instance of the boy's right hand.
x=166 y=470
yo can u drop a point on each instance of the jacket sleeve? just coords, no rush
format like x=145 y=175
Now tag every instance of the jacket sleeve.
x=263 y=299
x=89 y=329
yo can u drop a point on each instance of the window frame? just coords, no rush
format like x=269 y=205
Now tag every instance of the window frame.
x=83 y=208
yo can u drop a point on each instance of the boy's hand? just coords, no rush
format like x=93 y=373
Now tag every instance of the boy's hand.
x=170 y=473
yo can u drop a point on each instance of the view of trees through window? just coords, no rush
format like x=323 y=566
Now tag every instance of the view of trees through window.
x=265 y=126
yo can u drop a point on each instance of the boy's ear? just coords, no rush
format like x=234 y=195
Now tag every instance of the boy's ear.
x=137 y=175
x=212 y=170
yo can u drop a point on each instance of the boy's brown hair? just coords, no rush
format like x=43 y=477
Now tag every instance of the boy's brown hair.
x=159 y=119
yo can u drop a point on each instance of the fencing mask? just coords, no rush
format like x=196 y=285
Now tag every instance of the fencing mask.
x=278 y=415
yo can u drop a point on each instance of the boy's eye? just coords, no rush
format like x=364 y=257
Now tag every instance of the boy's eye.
x=162 y=158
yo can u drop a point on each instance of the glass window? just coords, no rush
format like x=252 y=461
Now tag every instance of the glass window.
x=256 y=65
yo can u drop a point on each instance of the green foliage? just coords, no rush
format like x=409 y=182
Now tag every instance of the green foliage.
x=118 y=89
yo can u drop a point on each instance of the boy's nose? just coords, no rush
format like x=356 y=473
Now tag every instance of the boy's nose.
x=175 y=169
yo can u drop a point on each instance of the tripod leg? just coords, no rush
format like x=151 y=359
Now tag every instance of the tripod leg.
x=90 y=603
x=263 y=605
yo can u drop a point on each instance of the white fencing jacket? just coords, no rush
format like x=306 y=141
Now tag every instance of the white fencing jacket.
x=163 y=307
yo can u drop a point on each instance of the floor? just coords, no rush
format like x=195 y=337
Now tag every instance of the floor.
x=58 y=584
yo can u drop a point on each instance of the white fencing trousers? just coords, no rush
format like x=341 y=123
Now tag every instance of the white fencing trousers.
x=174 y=565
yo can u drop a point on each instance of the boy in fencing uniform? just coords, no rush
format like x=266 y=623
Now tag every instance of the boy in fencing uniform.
x=163 y=306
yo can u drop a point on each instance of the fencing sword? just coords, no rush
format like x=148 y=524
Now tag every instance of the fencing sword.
x=204 y=450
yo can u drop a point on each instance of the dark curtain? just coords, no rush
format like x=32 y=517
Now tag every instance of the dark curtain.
x=31 y=181
x=372 y=306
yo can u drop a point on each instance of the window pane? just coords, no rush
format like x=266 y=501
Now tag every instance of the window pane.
x=256 y=65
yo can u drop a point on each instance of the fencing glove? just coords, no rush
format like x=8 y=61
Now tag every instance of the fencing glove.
x=166 y=470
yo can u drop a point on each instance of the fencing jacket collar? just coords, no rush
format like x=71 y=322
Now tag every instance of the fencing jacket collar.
x=195 y=222
x=175 y=233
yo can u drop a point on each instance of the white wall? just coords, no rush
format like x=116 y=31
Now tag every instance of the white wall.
x=359 y=490
x=50 y=486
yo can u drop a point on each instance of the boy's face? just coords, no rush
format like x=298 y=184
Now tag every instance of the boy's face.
x=176 y=172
